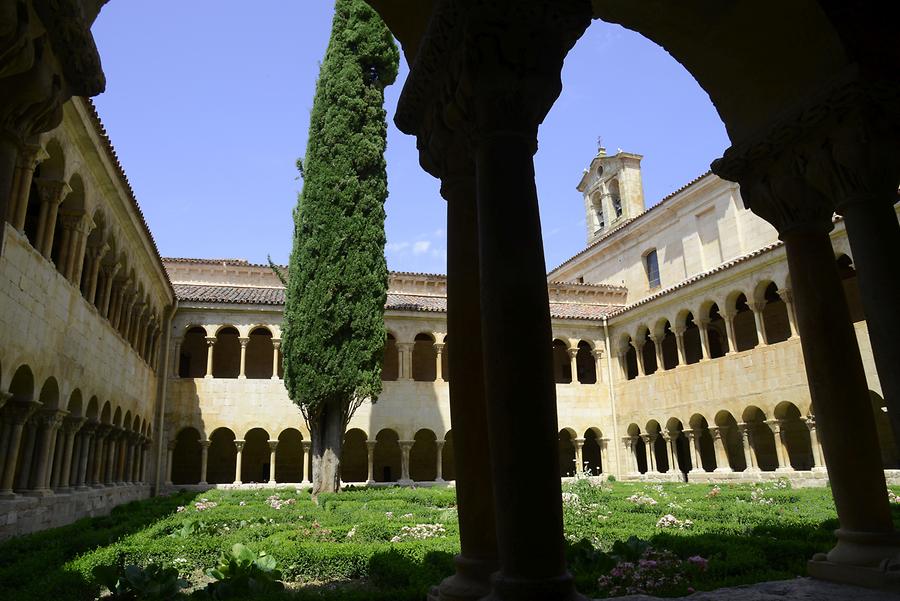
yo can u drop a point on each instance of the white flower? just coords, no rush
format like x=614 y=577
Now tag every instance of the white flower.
x=641 y=499
x=420 y=532
x=670 y=521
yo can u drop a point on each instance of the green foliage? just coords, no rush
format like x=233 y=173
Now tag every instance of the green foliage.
x=341 y=548
x=153 y=583
x=242 y=571
x=333 y=333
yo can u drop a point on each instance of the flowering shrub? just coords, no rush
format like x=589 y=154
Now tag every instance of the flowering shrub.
x=758 y=495
x=893 y=497
x=670 y=521
x=420 y=532
x=712 y=494
x=641 y=499
x=276 y=502
x=570 y=498
x=655 y=572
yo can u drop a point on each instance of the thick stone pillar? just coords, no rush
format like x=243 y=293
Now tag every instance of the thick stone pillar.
x=204 y=460
x=239 y=447
x=468 y=412
x=210 y=343
x=405 y=447
x=273 y=445
x=242 y=375
x=723 y=465
x=438 y=361
x=370 y=454
x=810 y=422
x=774 y=186
x=784 y=458
x=439 y=461
x=276 y=346
x=857 y=170
x=17 y=413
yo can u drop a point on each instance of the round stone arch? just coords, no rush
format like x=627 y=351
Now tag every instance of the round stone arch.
x=562 y=365
x=762 y=438
x=193 y=351
x=424 y=358
x=638 y=447
x=390 y=367
x=256 y=456
x=186 y=456
x=703 y=440
x=567 y=437
x=795 y=436
x=585 y=363
x=260 y=352
x=423 y=456
x=648 y=349
x=221 y=456
x=592 y=451
x=355 y=456
x=387 y=456
x=75 y=404
x=628 y=357
x=683 y=453
x=732 y=439
x=226 y=352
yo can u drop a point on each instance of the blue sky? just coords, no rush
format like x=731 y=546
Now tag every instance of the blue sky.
x=208 y=105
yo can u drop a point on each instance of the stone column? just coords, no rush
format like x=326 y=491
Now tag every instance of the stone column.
x=573 y=363
x=670 y=446
x=703 y=324
x=52 y=193
x=204 y=460
x=639 y=355
x=579 y=456
x=657 y=346
x=679 y=341
x=818 y=464
x=649 y=439
x=604 y=445
x=98 y=453
x=857 y=172
x=87 y=449
x=773 y=185
x=56 y=459
x=30 y=155
x=49 y=423
x=170 y=452
x=723 y=465
x=307 y=461
x=693 y=438
x=439 y=459
x=438 y=363
x=176 y=357
x=370 y=448
x=758 y=308
x=96 y=253
x=242 y=375
x=405 y=447
x=747 y=445
x=109 y=277
x=405 y=349
x=24 y=477
x=17 y=414
x=788 y=297
x=239 y=447
x=597 y=353
x=728 y=317
x=784 y=458
x=628 y=443
x=71 y=426
x=273 y=444
x=210 y=342
x=123 y=443
x=276 y=345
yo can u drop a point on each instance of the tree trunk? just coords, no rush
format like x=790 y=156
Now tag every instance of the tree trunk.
x=327 y=431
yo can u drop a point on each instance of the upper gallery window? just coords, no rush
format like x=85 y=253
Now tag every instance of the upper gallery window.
x=651 y=262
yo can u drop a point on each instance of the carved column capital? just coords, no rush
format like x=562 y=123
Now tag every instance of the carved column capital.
x=31 y=100
x=52 y=191
x=31 y=155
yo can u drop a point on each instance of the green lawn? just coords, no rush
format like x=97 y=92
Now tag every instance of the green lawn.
x=354 y=546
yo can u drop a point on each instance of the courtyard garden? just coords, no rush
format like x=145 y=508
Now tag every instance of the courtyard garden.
x=393 y=543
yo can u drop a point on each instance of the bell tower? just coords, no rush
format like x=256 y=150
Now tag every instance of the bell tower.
x=613 y=191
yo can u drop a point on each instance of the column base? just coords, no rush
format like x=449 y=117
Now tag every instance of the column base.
x=82 y=487
x=723 y=470
x=472 y=581
x=785 y=470
x=370 y=483
x=38 y=492
x=752 y=470
x=203 y=483
x=819 y=470
x=274 y=378
x=860 y=549
x=272 y=482
x=237 y=483
x=242 y=377
x=561 y=588
x=207 y=377
x=405 y=482
x=439 y=480
x=8 y=495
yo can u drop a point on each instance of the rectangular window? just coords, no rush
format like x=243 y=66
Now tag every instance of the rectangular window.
x=652 y=264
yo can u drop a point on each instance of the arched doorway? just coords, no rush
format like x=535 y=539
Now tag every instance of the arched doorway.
x=289 y=456
x=423 y=457
x=256 y=456
x=387 y=456
x=221 y=461
x=186 y=457
x=354 y=458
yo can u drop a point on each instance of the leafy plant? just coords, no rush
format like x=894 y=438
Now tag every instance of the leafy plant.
x=154 y=582
x=242 y=571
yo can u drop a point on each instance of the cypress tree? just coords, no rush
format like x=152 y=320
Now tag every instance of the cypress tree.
x=334 y=330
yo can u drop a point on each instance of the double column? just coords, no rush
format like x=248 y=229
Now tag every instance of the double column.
x=776 y=186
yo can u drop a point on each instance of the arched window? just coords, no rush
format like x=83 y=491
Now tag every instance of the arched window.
x=669 y=348
x=651 y=264
x=775 y=316
x=599 y=217
x=192 y=359
x=424 y=359
x=717 y=334
x=260 y=354
x=354 y=457
x=693 y=346
x=744 y=325
x=648 y=354
x=227 y=354
x=615 y=197
x=630 y=358
x=584 y=361
x=562 y=366
x=390 y=369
